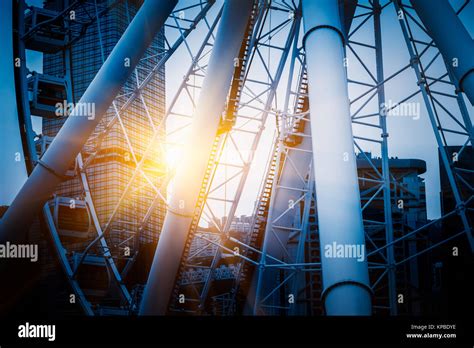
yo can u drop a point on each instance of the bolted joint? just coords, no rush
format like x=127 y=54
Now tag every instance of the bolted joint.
x=414 y=61
x=421 y=81
x=391 y=266
x=377 y=9
x=461 y=208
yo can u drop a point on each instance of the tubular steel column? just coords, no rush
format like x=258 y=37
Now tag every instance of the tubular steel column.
x=346 y=289
x=198 y=147
x=452 y=40
x=75 y=131
x=13 y=165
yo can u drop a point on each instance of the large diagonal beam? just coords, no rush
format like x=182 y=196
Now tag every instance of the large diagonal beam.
x=12 y=171
x=69 y=141
x=197 y=150
x=452 y=40
x=346 y=289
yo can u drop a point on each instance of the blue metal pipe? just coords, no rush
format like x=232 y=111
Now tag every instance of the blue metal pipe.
x=69 y=141
x=452 y=40
x=346 y=289
x=13 y=169
x=198 y=146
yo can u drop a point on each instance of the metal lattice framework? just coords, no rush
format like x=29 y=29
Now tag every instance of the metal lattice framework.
x=279 y=255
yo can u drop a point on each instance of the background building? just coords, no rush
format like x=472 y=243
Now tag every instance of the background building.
x=446 y=286
x=111 y=161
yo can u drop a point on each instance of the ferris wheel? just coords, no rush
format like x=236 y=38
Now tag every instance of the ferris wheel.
x=279 y=93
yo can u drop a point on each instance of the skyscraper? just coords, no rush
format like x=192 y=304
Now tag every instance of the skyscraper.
x=111 y=159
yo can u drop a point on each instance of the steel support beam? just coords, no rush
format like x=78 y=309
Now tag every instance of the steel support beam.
x=387 y=200
x=12 y=157
x=444 y=157
x=452 y=40
x=346 y=289
x=69 y=141
x=288 y=194
x=286 y=197
x=191 y=170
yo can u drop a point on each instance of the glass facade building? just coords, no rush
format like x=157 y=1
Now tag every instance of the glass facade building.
x=111 y=159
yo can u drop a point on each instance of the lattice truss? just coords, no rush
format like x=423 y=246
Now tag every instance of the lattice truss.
x=278 y=256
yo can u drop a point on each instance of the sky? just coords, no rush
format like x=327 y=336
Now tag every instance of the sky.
x=409 y=137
